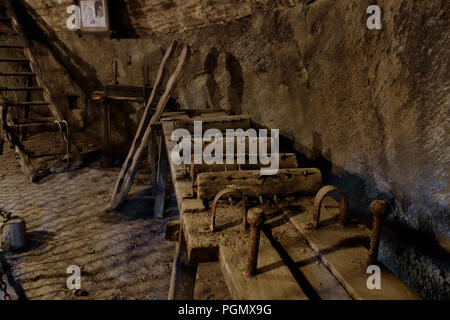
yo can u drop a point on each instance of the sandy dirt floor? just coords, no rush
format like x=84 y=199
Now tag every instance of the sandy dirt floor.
x=122 y=254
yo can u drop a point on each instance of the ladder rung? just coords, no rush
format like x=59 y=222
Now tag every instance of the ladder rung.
x=15 y=60
x=17 y=74
x=38 y=127
x=21 y=89
x=24 y=104
x=11 y=46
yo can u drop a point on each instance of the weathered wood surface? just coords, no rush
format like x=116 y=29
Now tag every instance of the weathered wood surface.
x=128 y=171
x=287 y=181
x=315 y=279
x=13 y=140
x=286 y=161
x=229 y=243
x=30 y=128
x=163 y=171
x=217 y=122
x=121 y=188
x=273 y=280
x=183 y=274
x=344 y=251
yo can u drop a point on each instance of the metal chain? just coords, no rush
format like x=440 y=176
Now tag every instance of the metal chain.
x=5 y=214
x=3 y=287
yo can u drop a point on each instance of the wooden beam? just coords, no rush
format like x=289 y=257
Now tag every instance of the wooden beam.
x=221 y=123
x=273 y=281
x=343 y=250
x=141 y=140
x=183 y=274
x=286 y=161
x=251 y=183
x=312 y=275
x=32 y=128
x=163 y=171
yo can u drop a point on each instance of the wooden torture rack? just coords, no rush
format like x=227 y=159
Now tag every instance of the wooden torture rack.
x=275 y=237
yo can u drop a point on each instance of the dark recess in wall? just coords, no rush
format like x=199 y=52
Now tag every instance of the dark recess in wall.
x=119 y=20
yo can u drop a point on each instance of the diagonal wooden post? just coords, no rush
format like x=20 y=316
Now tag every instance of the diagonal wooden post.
x=129 y=168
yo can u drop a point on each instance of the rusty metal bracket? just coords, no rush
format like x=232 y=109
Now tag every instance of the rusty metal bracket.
x=379 y=208
x=219 y=195
x=256 y=218
x=318 y=204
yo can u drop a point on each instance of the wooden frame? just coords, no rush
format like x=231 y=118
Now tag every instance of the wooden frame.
x=99 y=11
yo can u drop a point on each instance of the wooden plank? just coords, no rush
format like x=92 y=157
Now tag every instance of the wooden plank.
x=106 y=134
x=273 y=281
x=152 y=160
x=221 y=123
x=163 y=171
x=192 y=205
x=343 y=250
x=286 y=161
x=202 y=244
x=128 y=171
x=183 y=274
x=315 y=279
x=31 y=128
x=287 y=181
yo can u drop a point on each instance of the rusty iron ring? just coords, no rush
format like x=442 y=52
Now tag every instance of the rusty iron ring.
x=318 y=204
x=219 y=195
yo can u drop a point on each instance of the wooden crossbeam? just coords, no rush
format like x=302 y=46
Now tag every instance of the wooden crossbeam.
x=251 y=183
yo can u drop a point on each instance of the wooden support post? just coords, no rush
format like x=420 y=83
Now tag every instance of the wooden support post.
x=128 y=172
x=153 y=159
x=2 y=129
x=163 y=171
x=106 y=134
x=184 y=273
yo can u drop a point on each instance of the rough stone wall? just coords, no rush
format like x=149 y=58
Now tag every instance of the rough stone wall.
x=370 y=107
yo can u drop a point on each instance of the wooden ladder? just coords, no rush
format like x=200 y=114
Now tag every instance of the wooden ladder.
x=11 y=131
x=144 y=132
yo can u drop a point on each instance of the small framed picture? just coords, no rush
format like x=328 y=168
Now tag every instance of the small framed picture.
x=94 y=15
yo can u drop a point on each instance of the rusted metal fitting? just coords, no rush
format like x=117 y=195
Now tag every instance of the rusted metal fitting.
x=256 y=219
x=318 y=204
x=379 y=209
x=219 y=195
